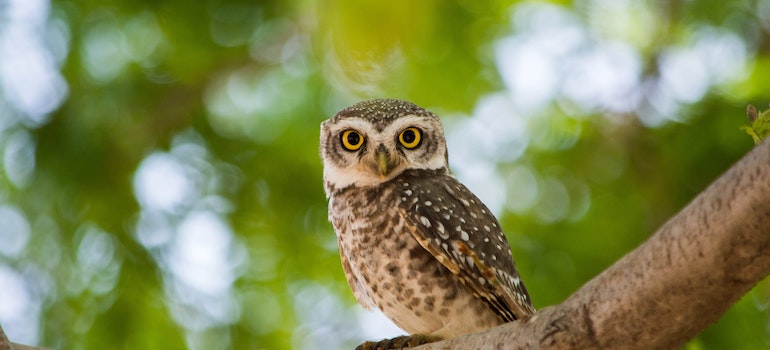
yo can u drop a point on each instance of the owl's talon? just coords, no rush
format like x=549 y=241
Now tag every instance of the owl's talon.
x=401 y=342
x=390 y=343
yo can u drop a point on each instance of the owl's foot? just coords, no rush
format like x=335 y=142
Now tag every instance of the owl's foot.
x=404 y=341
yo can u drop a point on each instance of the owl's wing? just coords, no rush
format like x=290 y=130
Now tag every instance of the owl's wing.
x=453 y=225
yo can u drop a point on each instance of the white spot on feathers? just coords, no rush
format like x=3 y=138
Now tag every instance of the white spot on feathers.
x=441 y=232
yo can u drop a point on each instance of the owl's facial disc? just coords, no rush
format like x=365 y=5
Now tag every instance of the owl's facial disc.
x=363 y=147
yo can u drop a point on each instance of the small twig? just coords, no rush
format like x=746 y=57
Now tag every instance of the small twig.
x=759 y=127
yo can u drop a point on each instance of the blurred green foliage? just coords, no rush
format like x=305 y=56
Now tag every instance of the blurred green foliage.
x=161 y=185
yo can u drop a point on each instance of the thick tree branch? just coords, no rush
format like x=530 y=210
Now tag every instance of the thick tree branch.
x=670 y=288
x=5 y=344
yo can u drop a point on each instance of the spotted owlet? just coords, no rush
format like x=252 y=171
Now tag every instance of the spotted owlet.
x=414 y=242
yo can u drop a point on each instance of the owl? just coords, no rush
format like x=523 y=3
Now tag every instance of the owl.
x=414 y=242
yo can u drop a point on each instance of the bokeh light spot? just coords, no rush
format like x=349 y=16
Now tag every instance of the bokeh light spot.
x=19 y=158
x=14 y=232
x=103 y=51
x=29 y=76
x=161 y=183
x=199 y=256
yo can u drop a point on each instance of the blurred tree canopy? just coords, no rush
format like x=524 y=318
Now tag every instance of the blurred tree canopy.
x=160 y=185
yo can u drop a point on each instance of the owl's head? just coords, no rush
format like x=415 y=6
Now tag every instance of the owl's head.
x=374 y=141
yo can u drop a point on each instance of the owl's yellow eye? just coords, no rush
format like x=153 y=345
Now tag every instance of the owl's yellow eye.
x=410 y=137
x=352 y=140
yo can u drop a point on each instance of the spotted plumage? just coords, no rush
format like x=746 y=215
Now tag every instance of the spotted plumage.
x=414 y=242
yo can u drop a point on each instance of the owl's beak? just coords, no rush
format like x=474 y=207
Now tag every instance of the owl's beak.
x=383 y=167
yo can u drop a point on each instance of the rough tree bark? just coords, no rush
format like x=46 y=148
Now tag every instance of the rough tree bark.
x=666 y=291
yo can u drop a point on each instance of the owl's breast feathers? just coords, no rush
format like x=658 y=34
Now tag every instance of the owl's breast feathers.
x=447 y=221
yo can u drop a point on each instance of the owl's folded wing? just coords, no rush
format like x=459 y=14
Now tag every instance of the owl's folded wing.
x=460 y=232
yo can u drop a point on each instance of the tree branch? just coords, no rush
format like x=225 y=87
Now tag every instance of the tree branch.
x=5 y=344
x=666 y=291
